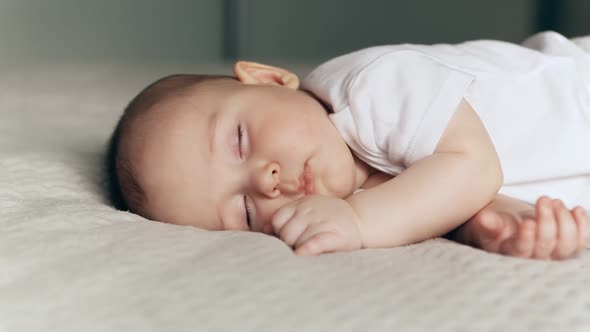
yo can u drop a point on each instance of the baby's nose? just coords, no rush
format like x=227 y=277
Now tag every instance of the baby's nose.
x=268 y=180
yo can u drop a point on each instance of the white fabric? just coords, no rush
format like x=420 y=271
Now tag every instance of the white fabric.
x=71 y=263
x=392 y=103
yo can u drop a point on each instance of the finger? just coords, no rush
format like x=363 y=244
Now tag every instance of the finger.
x=490 y=231
x=293 y=229
x=582 y=223
x=493 y=230
x=321 y=243
x=567 y=232
x=523 y=243
x=280 y=218
x=311 y=231
x=587 y=217
x=546 y=229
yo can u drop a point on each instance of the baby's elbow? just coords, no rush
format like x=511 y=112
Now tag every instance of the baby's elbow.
x=497 y=173
x=493 y=175
x=500 y=178
x=485 y=172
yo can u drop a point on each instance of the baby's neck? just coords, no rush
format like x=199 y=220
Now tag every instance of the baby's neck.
x=367 y=176
x=363 y=171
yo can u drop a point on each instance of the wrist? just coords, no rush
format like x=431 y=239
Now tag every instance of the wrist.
x=503 y=203
x=358 y=221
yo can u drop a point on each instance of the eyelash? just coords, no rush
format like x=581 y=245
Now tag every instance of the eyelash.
x=248 y=208
x=240 y=135
x=248 y=212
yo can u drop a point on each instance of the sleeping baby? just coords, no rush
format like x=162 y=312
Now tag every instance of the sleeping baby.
x=484 y=142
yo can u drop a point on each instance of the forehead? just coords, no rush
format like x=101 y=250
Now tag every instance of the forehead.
x=175 y=165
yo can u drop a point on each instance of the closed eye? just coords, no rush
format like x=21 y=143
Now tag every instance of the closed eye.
x=248 y=213
x=247 y=207
x=240 y=137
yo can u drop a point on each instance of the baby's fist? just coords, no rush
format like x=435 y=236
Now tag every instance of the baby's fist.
x=550 y=231
x=318 y=224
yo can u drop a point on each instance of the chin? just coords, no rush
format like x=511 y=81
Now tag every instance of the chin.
x=340 y=184
x=339 y=190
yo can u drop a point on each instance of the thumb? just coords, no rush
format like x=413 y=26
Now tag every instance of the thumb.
x=490 y=221
x=491 y=227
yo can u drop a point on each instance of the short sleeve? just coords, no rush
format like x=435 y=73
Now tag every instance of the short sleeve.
x=402 y=102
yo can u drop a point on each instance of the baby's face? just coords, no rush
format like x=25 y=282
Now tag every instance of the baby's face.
x=232 y=149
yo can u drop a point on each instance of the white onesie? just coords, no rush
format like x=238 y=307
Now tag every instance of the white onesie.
x=392 y=103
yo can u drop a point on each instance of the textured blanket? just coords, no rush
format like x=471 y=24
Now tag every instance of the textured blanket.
x=70 y=262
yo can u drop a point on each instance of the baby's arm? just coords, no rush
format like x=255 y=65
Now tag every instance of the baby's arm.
x=435 y=194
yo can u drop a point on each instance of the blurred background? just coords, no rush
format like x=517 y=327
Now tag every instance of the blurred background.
x=306 y=31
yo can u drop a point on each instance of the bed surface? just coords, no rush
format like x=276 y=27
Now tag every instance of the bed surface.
x=70 y=262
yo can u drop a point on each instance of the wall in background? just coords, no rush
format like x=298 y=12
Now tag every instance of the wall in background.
x=74 y=30
x=302 y=30
x=575 y=17
x=321 y=29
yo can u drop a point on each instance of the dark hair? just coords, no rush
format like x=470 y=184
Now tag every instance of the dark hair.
x=124 y=190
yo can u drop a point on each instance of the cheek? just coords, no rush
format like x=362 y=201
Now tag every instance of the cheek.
x=340 y=182
x=288 y=131
x=302 y=126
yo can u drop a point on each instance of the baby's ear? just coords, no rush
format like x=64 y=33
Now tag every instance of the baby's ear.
x=257 y=73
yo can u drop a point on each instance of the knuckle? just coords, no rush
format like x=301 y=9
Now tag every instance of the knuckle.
x=567 y=227
x=523 y=254
x=564 y=250
x=278 y=217
x=548 y=227
x=283 y=236
x=547 y=235
x=561 y=251
x=274 y=221
x=566 y=217
x=311 y=246
x=561 y=255
x=276 y=225
x=521 y=250
x=545 y=245
x=546 y=221
x=543 y=199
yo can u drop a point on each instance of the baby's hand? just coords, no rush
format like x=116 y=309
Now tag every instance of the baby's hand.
x=549 y=231
x=317 y=224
